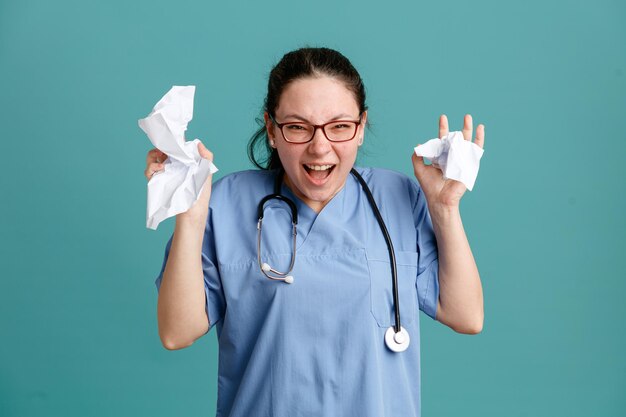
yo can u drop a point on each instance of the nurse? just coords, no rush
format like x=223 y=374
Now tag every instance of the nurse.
x=317 y=347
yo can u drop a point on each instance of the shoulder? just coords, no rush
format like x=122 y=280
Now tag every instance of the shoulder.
x=241 y=190
x=382 y=174
x=388 y=182
x=249 y=176
x=235 y=198
x=242 y=183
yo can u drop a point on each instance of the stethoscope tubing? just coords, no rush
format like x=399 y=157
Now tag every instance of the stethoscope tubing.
x=398 y=339
x=392 y=254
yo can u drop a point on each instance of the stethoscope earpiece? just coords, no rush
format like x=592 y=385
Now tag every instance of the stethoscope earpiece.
x=266 y=269
x=277 y=275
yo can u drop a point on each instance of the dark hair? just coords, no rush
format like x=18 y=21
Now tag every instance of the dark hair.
x=301 y=63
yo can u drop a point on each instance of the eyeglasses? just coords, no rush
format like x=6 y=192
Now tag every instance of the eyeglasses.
x=335 y=131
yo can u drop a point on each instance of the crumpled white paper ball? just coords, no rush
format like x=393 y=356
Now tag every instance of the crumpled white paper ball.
x=175 y=189
x=457 y=158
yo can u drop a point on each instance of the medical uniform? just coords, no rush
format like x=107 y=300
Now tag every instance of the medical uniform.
x=316 y=347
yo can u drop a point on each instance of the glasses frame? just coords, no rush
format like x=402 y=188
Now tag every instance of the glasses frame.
x=315 y=127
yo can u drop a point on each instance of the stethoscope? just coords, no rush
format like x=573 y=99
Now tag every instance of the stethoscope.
x=396 y=337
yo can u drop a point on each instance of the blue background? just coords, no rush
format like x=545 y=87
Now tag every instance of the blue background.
x=545 y=220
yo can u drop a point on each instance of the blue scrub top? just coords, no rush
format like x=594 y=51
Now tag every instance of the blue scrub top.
x=316 y=347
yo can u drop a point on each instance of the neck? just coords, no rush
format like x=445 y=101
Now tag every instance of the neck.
x=316 y=206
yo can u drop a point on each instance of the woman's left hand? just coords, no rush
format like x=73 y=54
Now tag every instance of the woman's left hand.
x=442 y=192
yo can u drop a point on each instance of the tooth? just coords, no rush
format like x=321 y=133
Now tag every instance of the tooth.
x=319 y=167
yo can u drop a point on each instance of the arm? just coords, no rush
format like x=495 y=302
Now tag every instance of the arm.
x=181 y=311
x=460 y=304
x=181 y=304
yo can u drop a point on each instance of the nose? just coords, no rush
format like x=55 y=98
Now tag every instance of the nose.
x=319 y=145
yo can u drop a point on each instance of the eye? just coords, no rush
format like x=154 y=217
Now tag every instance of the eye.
x=295 y=127
x=342 y=126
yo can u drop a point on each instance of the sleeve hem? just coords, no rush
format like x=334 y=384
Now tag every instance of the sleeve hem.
x=427 y=284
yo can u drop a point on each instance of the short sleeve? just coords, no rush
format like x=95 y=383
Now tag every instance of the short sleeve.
x=427 y=281
x=214 y=296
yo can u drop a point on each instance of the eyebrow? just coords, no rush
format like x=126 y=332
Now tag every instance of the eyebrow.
x=342 y=116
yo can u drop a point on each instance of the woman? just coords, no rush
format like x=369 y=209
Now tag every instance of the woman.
x=317 y=347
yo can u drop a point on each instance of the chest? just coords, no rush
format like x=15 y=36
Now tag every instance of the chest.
x=341 y=268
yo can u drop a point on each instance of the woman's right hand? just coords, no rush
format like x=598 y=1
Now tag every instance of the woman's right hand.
x=181 y=309
x=155 y=164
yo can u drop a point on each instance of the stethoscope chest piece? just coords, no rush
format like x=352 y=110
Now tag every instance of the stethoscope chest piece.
x=397 y=342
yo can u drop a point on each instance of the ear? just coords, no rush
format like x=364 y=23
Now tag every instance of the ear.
x=361 y=132
x=269 y=126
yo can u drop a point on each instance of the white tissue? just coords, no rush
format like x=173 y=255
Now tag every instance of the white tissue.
x=175 y=189
x=457 y=158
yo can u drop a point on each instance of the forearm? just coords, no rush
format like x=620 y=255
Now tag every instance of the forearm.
x=181 y=305
x=460 y=290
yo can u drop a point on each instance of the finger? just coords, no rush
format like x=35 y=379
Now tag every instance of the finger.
x=152 y=169
x=480 y=135
x=204 y=152
x=443 y=125
x=467 y=127
x=418 y=164
x=148 y=174
x=161 y=157
x=155 y=155
x=151 y=155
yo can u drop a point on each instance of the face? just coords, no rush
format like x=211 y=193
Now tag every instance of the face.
x=317 y=170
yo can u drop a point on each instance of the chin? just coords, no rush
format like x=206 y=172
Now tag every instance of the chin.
x=320 y=197
x=316 y=191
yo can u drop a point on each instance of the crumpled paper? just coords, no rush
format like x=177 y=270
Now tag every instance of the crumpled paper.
x=457 y=158
x=178 y=186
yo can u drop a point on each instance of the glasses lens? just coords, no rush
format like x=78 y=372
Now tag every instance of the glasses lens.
x=340 y=131
x=297 y=132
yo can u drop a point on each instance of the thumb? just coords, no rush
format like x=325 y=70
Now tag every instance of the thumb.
x=204 y=152
x=418 y=164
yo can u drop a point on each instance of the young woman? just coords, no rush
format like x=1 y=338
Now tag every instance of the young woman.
x=323 y=322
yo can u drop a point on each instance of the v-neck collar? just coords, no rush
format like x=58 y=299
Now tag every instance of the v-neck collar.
x=308 y=218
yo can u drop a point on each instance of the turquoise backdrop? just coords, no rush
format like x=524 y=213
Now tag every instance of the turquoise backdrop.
x=78 y=332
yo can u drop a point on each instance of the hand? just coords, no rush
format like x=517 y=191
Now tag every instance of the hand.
x=202 y=204
x=154 y=162
x=442 y=192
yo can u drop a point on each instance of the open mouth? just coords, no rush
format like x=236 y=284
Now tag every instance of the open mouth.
x=318 y=172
